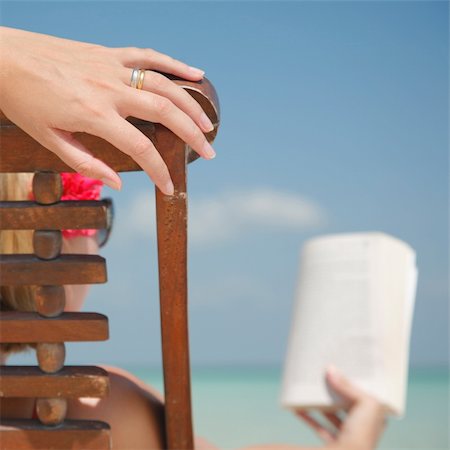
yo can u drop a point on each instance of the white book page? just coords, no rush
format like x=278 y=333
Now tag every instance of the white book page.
x=333 y=320
x=351 y=310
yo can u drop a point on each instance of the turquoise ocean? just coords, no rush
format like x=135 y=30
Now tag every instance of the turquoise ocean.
x=239 y=406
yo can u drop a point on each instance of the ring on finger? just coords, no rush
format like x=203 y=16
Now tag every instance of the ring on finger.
x=137 y=78
x=134 y=77
x=140 y=82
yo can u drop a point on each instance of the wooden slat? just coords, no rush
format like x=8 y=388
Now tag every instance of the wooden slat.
x=64 y=215
x=25 y=327
x=70 y=435
x=17 y=146
x=69 y=382
x=24 y=269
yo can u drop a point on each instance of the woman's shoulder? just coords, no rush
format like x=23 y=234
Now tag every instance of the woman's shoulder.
x=125 y=383
x=133 y=409
x=128 y=381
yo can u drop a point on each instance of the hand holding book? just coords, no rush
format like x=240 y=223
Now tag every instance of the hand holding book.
x=364 y=421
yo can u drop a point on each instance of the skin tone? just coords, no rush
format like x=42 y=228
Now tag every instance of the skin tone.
x=51 y=88
x=86 y=88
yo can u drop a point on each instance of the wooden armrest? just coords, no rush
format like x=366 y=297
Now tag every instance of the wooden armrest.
x=17 y=146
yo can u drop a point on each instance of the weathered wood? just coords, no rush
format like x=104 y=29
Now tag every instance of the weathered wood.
x=27 y=269
x=69 y=214
x=50 y=300
x=25 y=327
x=171 y=212
x=50 y=356
x=70 y=435
x=51 y=411
x=47 y=243
x=69 y=382
x=47 y=187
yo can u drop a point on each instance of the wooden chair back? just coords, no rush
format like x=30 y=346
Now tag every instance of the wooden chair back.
x=51 y=382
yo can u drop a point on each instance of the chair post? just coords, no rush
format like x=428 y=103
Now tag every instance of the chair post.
x=171 y=214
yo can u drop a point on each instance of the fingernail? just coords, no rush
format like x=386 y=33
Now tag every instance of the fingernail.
x=208 y=150
x=111 y=183
x=196 y=72
x=333 y=372
x=206 y=123
x=169 y=188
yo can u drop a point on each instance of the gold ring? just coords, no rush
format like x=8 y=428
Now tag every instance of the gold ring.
x=141 y=79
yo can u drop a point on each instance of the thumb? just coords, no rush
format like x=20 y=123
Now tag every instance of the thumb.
x=79 y=158
x=343 y=386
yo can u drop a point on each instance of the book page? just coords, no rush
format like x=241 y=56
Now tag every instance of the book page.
x=340 y=316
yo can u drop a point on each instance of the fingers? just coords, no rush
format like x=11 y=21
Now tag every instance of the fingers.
x=127 y=138
x=365 y=420
x=343 y=386
x=155 y=108
x=321 y=431
x=161 y=85
x=146 y=58
x=75 y=155
x=363 y=425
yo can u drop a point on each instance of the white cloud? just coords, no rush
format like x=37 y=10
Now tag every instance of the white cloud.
x=230 y=214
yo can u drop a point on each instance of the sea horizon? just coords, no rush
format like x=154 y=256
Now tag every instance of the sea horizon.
x=237 y=405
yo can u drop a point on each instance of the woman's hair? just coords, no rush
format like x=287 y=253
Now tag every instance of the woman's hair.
x=16 y=186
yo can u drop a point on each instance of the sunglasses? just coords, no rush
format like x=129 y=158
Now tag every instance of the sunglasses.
x=104 y=233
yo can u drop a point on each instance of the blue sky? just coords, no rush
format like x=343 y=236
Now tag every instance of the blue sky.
x=337 y=111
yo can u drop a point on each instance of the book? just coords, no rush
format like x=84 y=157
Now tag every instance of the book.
x=353 y=308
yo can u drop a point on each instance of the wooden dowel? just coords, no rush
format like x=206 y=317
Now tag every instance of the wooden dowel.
x=47 y=187
x=51 y=356
x=50 y=300
x=51 y=411
x=47 y=243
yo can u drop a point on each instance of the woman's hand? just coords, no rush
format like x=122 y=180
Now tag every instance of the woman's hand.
x=52 y=87
x=363 y=425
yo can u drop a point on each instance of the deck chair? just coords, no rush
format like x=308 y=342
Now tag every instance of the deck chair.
x=50 y=381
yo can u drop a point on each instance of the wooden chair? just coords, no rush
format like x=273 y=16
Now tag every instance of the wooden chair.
x=52 y=382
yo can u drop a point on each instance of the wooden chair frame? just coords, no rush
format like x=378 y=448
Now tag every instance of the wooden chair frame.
x=21 y=153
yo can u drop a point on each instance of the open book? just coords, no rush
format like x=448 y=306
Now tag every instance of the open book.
x=353 y=308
